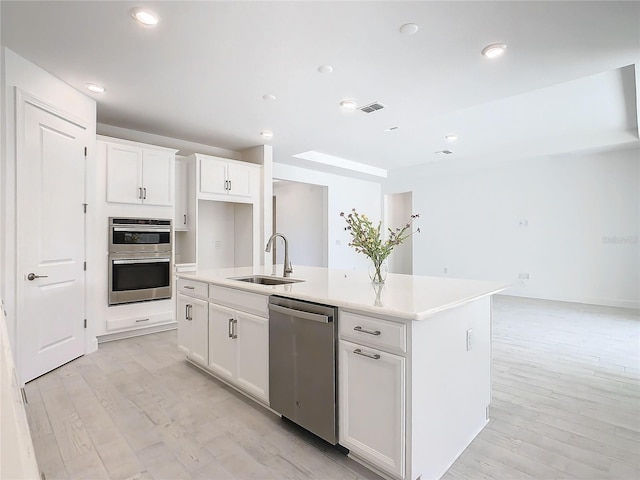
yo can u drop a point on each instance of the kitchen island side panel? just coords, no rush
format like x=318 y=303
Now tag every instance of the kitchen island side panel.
x=450 y=385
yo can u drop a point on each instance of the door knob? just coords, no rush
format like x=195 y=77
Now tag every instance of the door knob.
x=33 y=276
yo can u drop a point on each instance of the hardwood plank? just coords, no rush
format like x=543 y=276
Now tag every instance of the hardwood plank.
x=566 y=405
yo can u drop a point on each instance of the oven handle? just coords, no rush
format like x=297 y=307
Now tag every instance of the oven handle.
x=140 y=260
x=142 y=229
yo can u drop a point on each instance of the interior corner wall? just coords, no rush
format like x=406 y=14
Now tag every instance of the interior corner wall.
x=343 y=194
x=570 y=223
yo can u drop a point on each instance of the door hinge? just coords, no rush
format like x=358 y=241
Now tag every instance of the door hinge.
x=85 y=152
x=85 y=266
x=85 y=323
x=25 y=400
x=84 y=205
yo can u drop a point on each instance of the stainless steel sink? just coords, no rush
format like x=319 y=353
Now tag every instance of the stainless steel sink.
x=265 y=280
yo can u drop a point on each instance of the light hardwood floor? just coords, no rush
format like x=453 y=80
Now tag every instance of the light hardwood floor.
x=566 y=404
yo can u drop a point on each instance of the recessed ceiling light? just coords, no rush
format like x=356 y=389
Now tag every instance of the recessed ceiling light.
x=451 y=138
x=95 y=88
x=349 y=104
x=145 y=17
x=266 y=133
x=494 y=50
x=269 y=97
x=409 y=29
x=390 y=129
x=325 y=69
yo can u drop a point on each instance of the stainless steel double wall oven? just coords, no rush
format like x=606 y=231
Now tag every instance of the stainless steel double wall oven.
x=139 y=259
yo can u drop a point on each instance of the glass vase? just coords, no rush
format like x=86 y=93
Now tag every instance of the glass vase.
x=378 y=272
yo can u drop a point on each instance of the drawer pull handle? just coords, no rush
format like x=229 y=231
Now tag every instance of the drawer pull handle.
x=142 y=320
x=375 y=356
x=370 y=332
x=189 y=287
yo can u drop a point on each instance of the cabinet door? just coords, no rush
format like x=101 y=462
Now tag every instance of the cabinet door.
x=372 y=405
x=239 y=178
x=199 y=313
x=124 y=174
x=252 y=369
x=157 y=177
x=181 y=196
x=184 y=325
x=222 y=344
x=213 y=176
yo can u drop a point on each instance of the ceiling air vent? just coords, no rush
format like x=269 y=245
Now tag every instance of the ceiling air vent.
x=372 y=107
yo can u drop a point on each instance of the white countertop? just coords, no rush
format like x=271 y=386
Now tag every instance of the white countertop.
x=410 y=297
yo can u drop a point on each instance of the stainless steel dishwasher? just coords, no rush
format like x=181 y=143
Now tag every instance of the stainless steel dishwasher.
x=302 y=364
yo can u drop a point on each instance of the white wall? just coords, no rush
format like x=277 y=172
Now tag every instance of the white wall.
x=225 y=236
x=26 y=76
x=301 y=216
x=572 y=222
x=343 y=194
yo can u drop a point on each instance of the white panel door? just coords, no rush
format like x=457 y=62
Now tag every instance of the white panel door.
x=252 y=371
x=157 y=177
x=51 y=233
x=124 y=173
x=222 y=341
x=372 y=405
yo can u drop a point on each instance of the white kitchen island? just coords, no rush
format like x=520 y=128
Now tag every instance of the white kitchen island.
x=414 y=355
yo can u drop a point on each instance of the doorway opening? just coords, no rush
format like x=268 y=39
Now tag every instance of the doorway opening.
x=300 y=214
x=397 y=209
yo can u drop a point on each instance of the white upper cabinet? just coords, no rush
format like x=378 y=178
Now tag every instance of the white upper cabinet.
x=124 y=174
x=157 y=177
x=213 y=176
x=219 y=176
x=181 y=219
x=140 y=174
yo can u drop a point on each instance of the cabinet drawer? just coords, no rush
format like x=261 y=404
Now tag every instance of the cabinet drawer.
x=192 y=288
x=139 y=321
x=373 y=331
x=239 y=300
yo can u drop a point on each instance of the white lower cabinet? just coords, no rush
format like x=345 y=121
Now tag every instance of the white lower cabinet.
x=252 y=369
x=222 y=344
x=193 y=328
x=372 y=405
x=239 y=349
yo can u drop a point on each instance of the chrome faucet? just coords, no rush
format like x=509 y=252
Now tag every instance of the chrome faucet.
x=288 y=269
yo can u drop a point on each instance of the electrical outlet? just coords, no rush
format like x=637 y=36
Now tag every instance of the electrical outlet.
x=524 y=276
x=469 y=339
x=446 y=269
x=218 y=243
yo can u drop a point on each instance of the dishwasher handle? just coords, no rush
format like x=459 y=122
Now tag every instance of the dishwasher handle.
x=316 y=317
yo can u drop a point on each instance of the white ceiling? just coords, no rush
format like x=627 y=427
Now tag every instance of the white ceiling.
x=200 y=75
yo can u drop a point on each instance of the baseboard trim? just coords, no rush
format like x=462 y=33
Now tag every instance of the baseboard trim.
x=109 y=337
x=602 y=302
